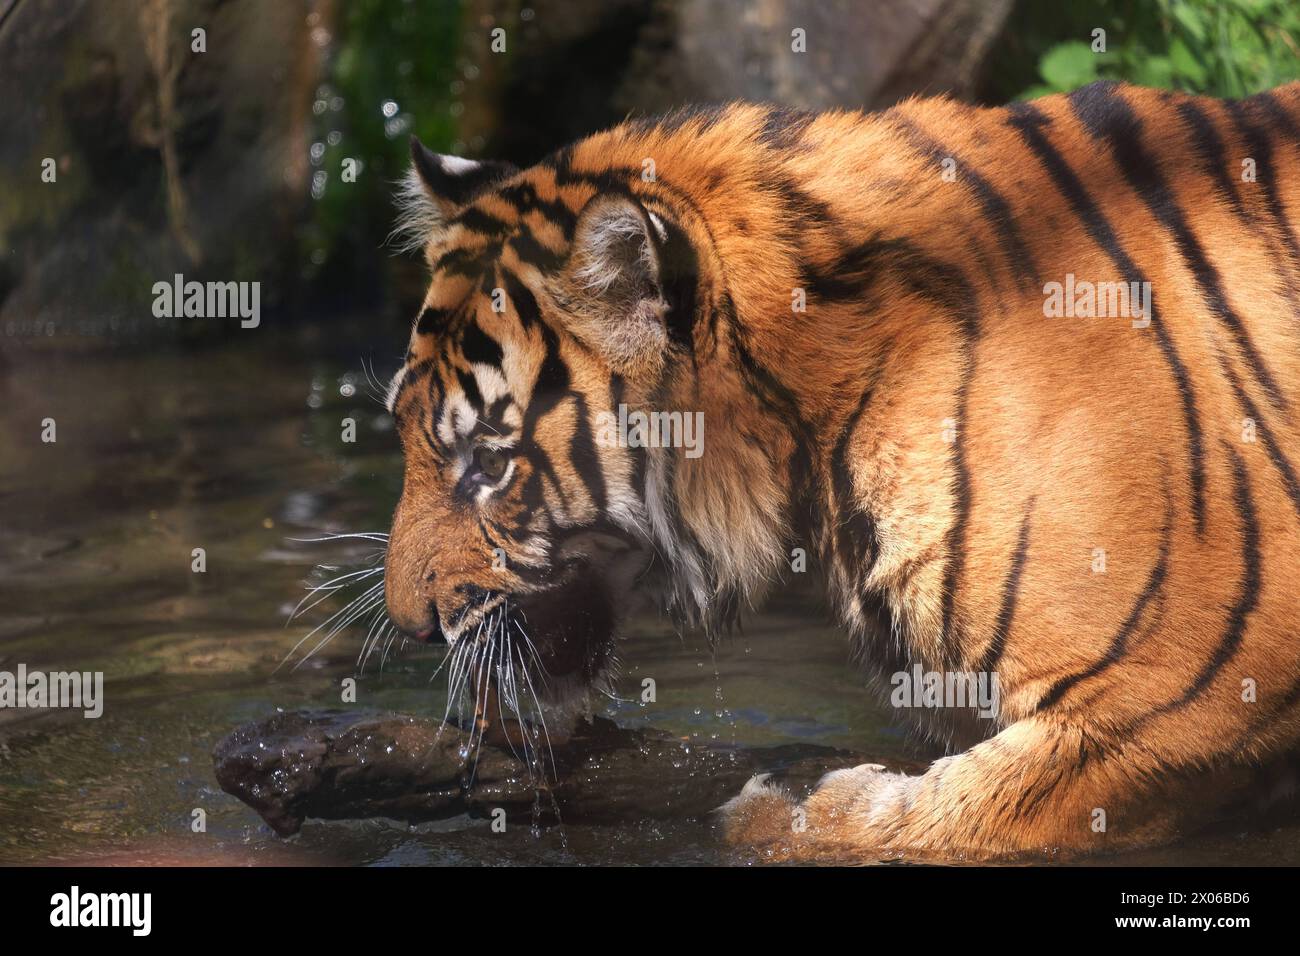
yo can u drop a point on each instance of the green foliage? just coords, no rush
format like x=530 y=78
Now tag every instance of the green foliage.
x=391 y=74
x=1219 y=47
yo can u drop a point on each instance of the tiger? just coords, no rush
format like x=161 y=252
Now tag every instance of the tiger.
x=1020 y=383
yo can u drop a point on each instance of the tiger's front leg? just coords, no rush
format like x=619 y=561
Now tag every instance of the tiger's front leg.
x=1039 y=788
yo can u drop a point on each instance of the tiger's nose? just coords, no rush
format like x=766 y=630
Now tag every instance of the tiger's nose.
x=426 y=633
x=422 y=626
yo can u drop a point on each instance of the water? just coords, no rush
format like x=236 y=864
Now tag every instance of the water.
x=237 y=451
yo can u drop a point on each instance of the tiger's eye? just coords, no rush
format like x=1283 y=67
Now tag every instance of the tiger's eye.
x=491 y=463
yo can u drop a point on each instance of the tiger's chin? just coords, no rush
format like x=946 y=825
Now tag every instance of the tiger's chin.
x=564 y=639
x=571 y=628
x=574 y=625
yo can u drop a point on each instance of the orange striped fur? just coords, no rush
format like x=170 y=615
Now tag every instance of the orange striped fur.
x=1106 y=516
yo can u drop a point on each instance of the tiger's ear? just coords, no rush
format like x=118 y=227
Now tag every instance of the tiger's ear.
x=611 y=286
x=436 y=188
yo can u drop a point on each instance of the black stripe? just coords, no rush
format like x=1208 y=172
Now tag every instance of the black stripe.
x=679 y=271
x=1010 y=594
x=466 y=262
x=1246 y=602
x=492 y=543
x=583 y=455
x=531 y=499
x=474 y=595
x=802 y=211
x=948 y=288
x=617 y=391
x=856 y=270
x=1028 y=120
x=551 y=388
x=1119 y=643
x=1251 y=577
x=782 y=402
x=525 y=199
x=855 y=532
x=997 y=212
x=552 y=383
x=469 y=385
x=524 y=302
x=1266 y=175
x=1214 y=157
x=433 y=321
x=480 y=221
x=529 y=250
x=1265 y=434
x=491 y=421
x=432 y=406
x=784 y=126
x=1277 y=114
x=849 y=277
x=413 y=373
x=1106 y=116
x=477 y=346
x=541 y=461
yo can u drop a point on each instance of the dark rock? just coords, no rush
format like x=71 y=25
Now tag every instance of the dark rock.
x=331 y=766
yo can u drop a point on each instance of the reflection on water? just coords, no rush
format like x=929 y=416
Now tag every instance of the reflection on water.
x=238 y=452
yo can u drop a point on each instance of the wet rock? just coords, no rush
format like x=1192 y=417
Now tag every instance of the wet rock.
x=331 y=766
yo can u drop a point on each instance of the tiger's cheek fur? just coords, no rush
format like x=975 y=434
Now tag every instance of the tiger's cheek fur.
x=440 y=566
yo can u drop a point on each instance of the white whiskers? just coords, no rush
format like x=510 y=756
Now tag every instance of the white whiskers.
x=497 y=658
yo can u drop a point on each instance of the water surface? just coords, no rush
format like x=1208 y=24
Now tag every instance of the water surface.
x=237 y=451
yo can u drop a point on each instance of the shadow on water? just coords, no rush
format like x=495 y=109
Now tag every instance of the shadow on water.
x=238 y=452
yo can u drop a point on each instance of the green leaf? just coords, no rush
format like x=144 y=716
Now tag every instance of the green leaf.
x=1153 y=71
x=1184 y=64
x=1068 y=65
x=1034 y=92
x=1190 y=20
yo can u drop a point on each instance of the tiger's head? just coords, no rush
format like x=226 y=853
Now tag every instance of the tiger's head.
x=521 y=513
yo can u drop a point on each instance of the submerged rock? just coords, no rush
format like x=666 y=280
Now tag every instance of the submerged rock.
x=336 y=766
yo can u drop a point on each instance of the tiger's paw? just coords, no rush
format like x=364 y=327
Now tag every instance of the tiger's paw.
x=836 y=820
x=760 y=816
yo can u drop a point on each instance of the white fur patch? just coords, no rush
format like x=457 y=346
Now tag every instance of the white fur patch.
x=418 y=217
x=393 y=388
x=458 y=166
x=659 y=226
x=491 y=383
